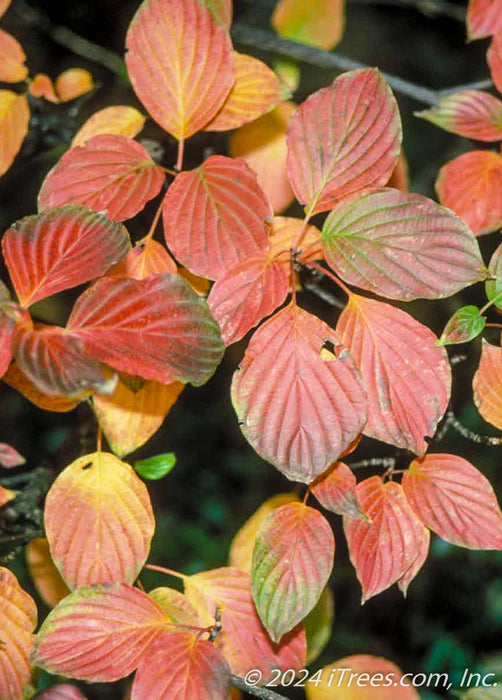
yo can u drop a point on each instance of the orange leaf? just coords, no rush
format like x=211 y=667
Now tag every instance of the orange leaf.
x=148 y=257
x=383 y=549
x=484 y=17
x=243 y=639
x=7 y=330
x=362 y=677
x=108 y=536
x=18 y=617
x=241 y=549
x=60 y=249
x=121 y=120
x=262 y=144
x=246 y=294
x=44 y=574
x=471 y=185
x=157 y=328
x=494 y=58
x=109 y=173
x=116 y=624
x=19 y=381
x=343 y=138
x=318 y=24
x=182 y=665
x=407 y=377
x=305 y=412
x=4 y=4
x=399 y=179
x=14 y=118
x=41 y=86
x=12 y=58
x=292 y=561
x=176 y=606
x=256 y=91
x=283 y=235
x=335 y=489
x=180 y=93
x=10 y=457
x=6 y=495
x=487 y=384
x=215 y=216
x=470 y=113
x=129 y=418
x=73 y=83
x=455 y=500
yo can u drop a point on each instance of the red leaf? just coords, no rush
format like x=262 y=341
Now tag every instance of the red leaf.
x=245 y=294
x=10 y=457
x=292 y=561
x=283 y=236
x=181 y=665
x=18 y=617
x=157 y=328
x=14 y=119
x=7 y=329
x=148 y=257
x=180 y=64
x=471 y=185
x=41 y=86
x=262 y=144
x=407 y=377
x=298 y=405
x=243 y=639
x=401 y=246
x=98 y=521
x=455 y=500
x=494 y=58
x=343 y=138
x=470 y=113
x=484 y=17
x=20 y=382
x=56 y=363
x=12 y=58
x=109 y=173
x=60 y=249
x=383 y=550
x=487 y=384
x=116 y=623
x=335 y=489
x=408 y=577
x=215 y=216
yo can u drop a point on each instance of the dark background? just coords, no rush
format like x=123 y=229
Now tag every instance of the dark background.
x=452 y=617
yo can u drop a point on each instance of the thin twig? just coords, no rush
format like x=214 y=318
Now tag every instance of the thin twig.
x=434 y=8
x=452 y=420
x=385 y=462
x=257 y=690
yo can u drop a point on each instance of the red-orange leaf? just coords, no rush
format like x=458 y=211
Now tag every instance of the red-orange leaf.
x=343 y=138
x=44 y=574
x=471 y=185
x=256 y=91
x=148 y=257
x=180 y=63
x=120 y=119
x=10 y=457
x=455 y=500
x=116 y=623
x=487 y=384
x=12 y=58
x=407 y=377
x=401 y=246
x=59 y=249
x=245 y=294
x=470 y=113
x=215 y=216
x=494 y=58
x=243 y=639
x=7 y=328
x=41 y=86
x=109 y=173
x=292 y=561
x=298 y=405
x=181 y=665
x=383 y=550
x=99 y=521
x=18 y=617
x=157 y=328
x=336 y=491
x=262 y=144
x=283 y=235
x=484 y=17
x=16 y=378
x=56 y=363
x=14 y=118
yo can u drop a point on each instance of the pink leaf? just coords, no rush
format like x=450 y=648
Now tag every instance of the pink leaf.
x=335 y=489
x=470 y=113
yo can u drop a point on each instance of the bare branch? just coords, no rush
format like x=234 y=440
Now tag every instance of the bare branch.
x=385 y=462
x=257 y=690
x=452 y=421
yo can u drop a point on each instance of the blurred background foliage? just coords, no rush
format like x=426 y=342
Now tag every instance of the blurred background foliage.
x=452 y=617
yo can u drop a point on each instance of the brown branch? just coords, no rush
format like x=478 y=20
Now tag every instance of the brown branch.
x=258 y=691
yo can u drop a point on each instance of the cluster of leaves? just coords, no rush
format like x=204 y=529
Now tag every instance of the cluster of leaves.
x=304 y=394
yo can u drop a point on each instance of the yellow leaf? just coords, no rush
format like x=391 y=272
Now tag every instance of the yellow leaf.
x=12 y=58
x=318 y=23
x=120 y=120
x=14 y=118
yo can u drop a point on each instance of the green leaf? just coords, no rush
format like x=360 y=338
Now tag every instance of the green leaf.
x=155 y=467
x=494 y=286
x=465 y=324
